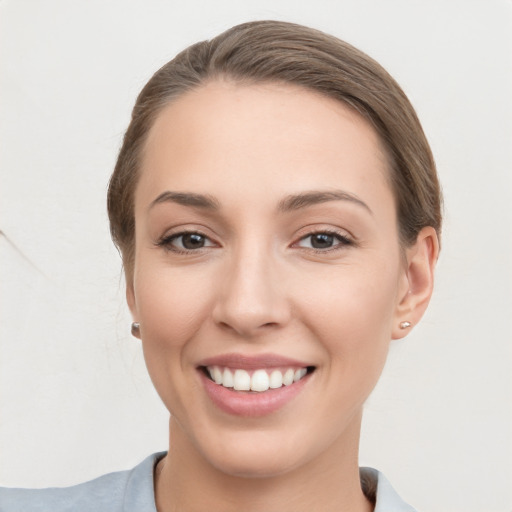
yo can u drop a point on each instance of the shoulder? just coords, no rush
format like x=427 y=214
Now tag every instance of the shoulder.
x=378 y=489
x=122 y=491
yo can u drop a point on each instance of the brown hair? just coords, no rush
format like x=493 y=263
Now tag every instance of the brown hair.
x=272 y=51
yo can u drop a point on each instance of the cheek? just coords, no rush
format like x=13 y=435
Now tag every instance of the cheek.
x=362 y=291
x=351 y=310
x=169 y=303
x=171 y=309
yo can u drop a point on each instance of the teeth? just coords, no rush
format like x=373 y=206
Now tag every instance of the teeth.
x=299 y=374
x=288 y=377
x=217 y=375
x=260 y=380
x=227 y=379
x=276 y=379
x=242 y=380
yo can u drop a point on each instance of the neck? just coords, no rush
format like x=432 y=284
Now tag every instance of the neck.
x=185 y=481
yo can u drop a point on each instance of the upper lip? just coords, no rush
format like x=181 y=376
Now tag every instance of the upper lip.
x=253 y=362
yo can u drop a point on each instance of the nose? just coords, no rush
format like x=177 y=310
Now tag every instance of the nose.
x=252 y=297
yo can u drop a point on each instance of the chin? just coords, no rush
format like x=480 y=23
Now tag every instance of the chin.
x=254 y=454
x=266 y=465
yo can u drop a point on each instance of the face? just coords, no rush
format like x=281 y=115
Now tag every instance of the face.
x=267 y=273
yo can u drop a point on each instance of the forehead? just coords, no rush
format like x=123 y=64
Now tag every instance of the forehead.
x=271 y=137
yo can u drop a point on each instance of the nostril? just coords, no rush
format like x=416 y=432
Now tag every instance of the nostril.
x=246 y=329
x=225 y=325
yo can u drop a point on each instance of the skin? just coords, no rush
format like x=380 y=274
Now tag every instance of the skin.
x=258 y=286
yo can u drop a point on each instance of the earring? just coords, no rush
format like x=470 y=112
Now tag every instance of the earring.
x=405 y=325
x=136 y=329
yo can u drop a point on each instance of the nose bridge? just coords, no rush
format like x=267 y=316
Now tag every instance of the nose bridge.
x=252 y=296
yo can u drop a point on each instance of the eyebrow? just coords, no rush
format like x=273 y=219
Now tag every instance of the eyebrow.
x=205 y=202
x=289 y=203
x=305 y=199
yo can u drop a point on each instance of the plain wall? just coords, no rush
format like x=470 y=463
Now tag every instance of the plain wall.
x=75 y=399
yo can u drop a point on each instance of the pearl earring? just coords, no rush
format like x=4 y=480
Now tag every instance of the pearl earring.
x=136 y=329
x=405 y=325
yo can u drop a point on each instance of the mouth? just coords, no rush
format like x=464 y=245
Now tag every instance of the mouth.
x=258 y=380
x=253 y=386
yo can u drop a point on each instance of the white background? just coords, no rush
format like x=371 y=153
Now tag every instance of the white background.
x=75 y=400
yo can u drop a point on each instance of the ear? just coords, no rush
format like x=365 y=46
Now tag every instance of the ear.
x=417 y=281
x=130 y=299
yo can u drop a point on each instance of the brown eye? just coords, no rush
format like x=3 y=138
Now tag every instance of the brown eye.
x=324 y=241
x=183 y=242
x=192 y=241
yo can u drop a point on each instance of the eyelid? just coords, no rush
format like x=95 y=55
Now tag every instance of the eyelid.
x=165 y=241
x=344 y=237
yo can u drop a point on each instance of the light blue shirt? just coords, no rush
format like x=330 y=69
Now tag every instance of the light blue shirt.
x=132 y=491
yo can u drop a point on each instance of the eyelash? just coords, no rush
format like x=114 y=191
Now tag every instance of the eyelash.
x=166 y=242
x=343 y=241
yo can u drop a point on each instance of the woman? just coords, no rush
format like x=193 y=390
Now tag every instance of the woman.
x=277 y=209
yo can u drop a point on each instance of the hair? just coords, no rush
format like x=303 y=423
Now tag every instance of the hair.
x=286 y=53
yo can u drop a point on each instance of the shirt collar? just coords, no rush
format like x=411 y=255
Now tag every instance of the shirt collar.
x=139 y=493
x=385 y=497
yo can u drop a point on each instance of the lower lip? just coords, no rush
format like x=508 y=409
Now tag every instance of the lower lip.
x=251 y=404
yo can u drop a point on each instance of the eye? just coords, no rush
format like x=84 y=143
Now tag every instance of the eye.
x=324 y=241
x=186 y=241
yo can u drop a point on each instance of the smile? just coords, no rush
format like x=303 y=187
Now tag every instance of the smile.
x=260 y=380
x=253 y=385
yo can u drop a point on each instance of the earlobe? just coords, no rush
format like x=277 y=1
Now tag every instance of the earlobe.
x=418 y=282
